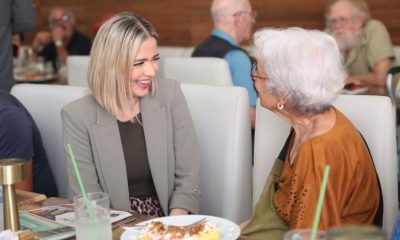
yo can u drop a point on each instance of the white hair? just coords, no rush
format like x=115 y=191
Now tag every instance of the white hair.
x=303 y=66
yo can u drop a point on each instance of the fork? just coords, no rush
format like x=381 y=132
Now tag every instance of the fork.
x=141 y=225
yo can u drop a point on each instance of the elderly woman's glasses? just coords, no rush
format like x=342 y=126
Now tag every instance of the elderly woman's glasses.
x=253 y=72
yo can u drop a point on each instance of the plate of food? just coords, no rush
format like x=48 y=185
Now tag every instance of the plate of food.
x=182 y=227
x=34 y=76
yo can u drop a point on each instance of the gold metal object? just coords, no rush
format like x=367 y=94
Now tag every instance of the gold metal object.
x=12 y=170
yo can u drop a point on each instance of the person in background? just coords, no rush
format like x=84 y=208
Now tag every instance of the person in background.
x=133 y=137
x=321 y=135
x=20 y=138
x=233 y=20
x=62 y=40
x=16 y=16
x=364 y=42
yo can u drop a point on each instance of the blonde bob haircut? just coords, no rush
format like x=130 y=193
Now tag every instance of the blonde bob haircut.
x=112 y=59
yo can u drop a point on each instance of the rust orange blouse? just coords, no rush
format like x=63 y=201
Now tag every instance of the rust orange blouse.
x=352 y=195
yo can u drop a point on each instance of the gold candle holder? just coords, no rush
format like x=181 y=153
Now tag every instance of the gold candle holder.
x=12 y=170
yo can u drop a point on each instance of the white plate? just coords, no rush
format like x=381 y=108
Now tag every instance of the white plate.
x=228 y=229
x=20 y=77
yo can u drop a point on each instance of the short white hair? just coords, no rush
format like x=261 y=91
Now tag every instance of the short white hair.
x=303 y=66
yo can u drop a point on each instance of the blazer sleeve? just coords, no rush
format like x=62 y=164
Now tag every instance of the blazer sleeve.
x=23 y=16
x=186 y=192
x=76 y=133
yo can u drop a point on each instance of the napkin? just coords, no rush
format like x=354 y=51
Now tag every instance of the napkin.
x=8 y=235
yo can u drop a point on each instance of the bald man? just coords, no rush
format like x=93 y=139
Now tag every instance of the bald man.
x=233 y=21
x=364 y=42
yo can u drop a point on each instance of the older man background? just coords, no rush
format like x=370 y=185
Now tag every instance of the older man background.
x=62 y=40
x=364 y=42
x=233 y=20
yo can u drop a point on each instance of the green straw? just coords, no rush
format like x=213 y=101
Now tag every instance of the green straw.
x=78 y=177
x=320 y=202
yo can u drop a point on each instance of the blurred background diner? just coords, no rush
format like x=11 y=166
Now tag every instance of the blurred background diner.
x=364 y=42
x=62 y=39
x=190 y=23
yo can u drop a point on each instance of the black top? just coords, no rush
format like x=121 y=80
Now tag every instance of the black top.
x=215 y=47
x=78 y=45
x=140 y=181
x=20 y=138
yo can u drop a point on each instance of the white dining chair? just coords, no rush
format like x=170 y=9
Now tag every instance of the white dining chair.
x=77 y=68
x=222 y=122
x=175 y=51
x=44 y=102
x=372 y=116
x=199 y=70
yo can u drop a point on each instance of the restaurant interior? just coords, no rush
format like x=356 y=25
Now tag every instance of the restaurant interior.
x=234 y=160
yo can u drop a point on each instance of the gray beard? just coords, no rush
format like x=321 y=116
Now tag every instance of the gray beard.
x=347 y=42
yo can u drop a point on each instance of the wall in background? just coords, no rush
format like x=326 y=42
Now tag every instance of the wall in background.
x=188 y=22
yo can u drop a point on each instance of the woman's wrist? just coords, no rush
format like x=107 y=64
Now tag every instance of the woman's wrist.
x=178 y=211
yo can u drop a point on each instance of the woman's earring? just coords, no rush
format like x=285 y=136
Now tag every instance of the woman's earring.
x=280 y=106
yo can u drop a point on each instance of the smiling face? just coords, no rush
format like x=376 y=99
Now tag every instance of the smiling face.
x=145 y=67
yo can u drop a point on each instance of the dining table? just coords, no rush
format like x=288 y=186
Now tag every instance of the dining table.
x=117 y=229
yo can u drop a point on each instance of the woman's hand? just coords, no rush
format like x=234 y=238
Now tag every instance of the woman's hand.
x=244 y=224
x=178 y=211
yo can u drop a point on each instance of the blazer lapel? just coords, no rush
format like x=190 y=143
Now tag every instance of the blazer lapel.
x=111 y=167
x=155 y=132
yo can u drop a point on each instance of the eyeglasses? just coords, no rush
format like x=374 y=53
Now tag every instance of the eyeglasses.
x=253 y=71
x=64 y=18
x=252 y=14
x=339 y=21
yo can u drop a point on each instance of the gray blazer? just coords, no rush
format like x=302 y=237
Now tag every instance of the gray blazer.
x=171 y=143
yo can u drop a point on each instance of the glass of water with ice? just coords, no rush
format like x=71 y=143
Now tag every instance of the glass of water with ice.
x=92 y=216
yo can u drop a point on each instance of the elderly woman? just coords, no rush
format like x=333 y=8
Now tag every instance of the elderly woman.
x=298 y=75
x=133 y=137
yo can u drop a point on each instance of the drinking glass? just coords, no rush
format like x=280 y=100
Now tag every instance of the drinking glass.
x=355 y=232
x=303 y=234
x=92 y=217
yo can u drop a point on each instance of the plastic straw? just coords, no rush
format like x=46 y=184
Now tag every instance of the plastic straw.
x=320 y=202
x=78 y=177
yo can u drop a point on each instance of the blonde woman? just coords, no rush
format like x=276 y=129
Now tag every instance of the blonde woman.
x=133 y=137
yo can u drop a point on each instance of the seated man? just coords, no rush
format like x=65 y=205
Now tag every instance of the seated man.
x=233 y=21
x=364 y=42
x=63 y=40
x=20 y=138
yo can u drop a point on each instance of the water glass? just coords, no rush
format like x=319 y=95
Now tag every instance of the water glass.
x=92 y=217
x=303 y=234
x=356 y=232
